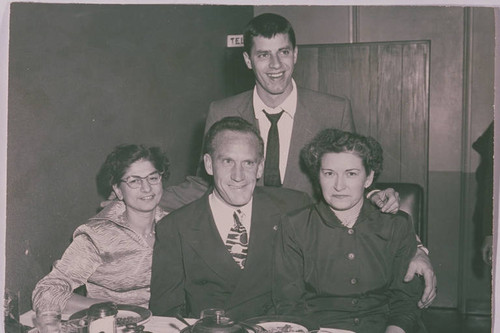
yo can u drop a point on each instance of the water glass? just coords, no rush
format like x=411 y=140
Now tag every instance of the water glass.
x=48 y=319
x=79 y=325
x=212 y=312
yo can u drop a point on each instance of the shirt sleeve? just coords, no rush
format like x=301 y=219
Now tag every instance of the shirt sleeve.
x=288 y=281
x=78 y=263
x=167 y=273
x=403 y=296
x=177 y=196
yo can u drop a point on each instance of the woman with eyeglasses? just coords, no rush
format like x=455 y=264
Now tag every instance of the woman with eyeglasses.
x=111 y=254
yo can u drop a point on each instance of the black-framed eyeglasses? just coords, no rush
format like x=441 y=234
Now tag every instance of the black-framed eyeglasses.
x=135 y=182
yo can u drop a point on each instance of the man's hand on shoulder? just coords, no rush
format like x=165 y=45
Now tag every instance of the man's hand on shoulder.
x=421 y=265
x=387 y=200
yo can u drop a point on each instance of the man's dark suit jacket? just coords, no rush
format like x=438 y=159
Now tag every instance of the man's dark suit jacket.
x=192 y=269
x=315 y=111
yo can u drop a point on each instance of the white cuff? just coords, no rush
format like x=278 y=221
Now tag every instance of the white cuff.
x=423 y=248
x=372 y=192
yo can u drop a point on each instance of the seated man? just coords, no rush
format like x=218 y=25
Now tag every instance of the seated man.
x=217 y=251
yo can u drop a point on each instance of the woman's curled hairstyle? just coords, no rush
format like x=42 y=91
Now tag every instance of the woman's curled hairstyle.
x=332 y=140
x=120 y=159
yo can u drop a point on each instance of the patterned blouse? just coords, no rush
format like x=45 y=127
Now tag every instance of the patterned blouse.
x=112 y=260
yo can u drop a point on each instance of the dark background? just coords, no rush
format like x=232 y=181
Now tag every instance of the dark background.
x=85 y=78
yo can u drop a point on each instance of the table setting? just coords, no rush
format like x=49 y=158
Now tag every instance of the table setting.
x=130 y=318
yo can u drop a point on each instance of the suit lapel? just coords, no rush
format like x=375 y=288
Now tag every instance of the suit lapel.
x=300 y=135
x=205 y=240
x=246 y=110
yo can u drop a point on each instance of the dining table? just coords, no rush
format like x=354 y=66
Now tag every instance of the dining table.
x=154 y=324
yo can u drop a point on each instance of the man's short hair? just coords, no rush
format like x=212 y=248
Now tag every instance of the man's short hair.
x=267 y=25
x=235 y=124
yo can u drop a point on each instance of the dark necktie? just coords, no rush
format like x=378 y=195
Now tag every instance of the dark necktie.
x=272 y=175
x=237 y=240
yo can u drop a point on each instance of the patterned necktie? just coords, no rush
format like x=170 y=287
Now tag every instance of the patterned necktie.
x=237 y=240
x=272 y=175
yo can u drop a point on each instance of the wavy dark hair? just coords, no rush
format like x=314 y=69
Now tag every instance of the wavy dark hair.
x=120 y=159
x=332 y=140
x=267 y=25
x=236 y=124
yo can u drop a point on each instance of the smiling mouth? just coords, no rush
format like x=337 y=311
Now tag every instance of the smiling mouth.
x=276 y=75
x=237 y=187
x=149 y=197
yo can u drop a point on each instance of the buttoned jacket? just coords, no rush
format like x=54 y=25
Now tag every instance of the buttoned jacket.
x=193 y=270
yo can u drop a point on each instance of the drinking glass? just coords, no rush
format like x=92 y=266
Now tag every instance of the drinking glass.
x=79 y=325
x=212 y=312
x=48 y=319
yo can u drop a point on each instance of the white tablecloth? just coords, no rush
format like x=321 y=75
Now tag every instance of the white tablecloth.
x=155 y=324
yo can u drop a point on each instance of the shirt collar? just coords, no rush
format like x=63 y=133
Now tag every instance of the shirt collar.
x=221 y=206
x=115 y=212
x=289 y=104
x=329 y=217
x=348 y=217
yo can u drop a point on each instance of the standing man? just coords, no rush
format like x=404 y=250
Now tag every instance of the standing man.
x=216 y=252
x=287 y=116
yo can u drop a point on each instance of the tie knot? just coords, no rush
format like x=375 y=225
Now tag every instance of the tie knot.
x=238 y=216
x=273 y=117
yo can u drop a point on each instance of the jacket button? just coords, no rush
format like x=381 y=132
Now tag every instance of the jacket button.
x=350 y=231
x=354 y=301
x=351 y=256
x=356 y=321
x=354 y=281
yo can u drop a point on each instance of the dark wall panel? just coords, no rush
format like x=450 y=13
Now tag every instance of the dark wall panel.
x=84 y=78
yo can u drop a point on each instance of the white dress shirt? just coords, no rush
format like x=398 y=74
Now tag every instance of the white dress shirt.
x=223 y=215
x=285 y=123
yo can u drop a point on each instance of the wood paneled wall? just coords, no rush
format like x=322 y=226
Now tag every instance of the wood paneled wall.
x=388 y=85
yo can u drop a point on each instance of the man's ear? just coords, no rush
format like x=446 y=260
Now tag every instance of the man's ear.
x=369 y=179
x=248 y=62
x=295 y=54
x=260 y=168
x=207 y=160
x=118 y=192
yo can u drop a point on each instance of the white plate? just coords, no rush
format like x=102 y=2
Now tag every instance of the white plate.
x=282 y=324
x=126 y=314
x=283 y=327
